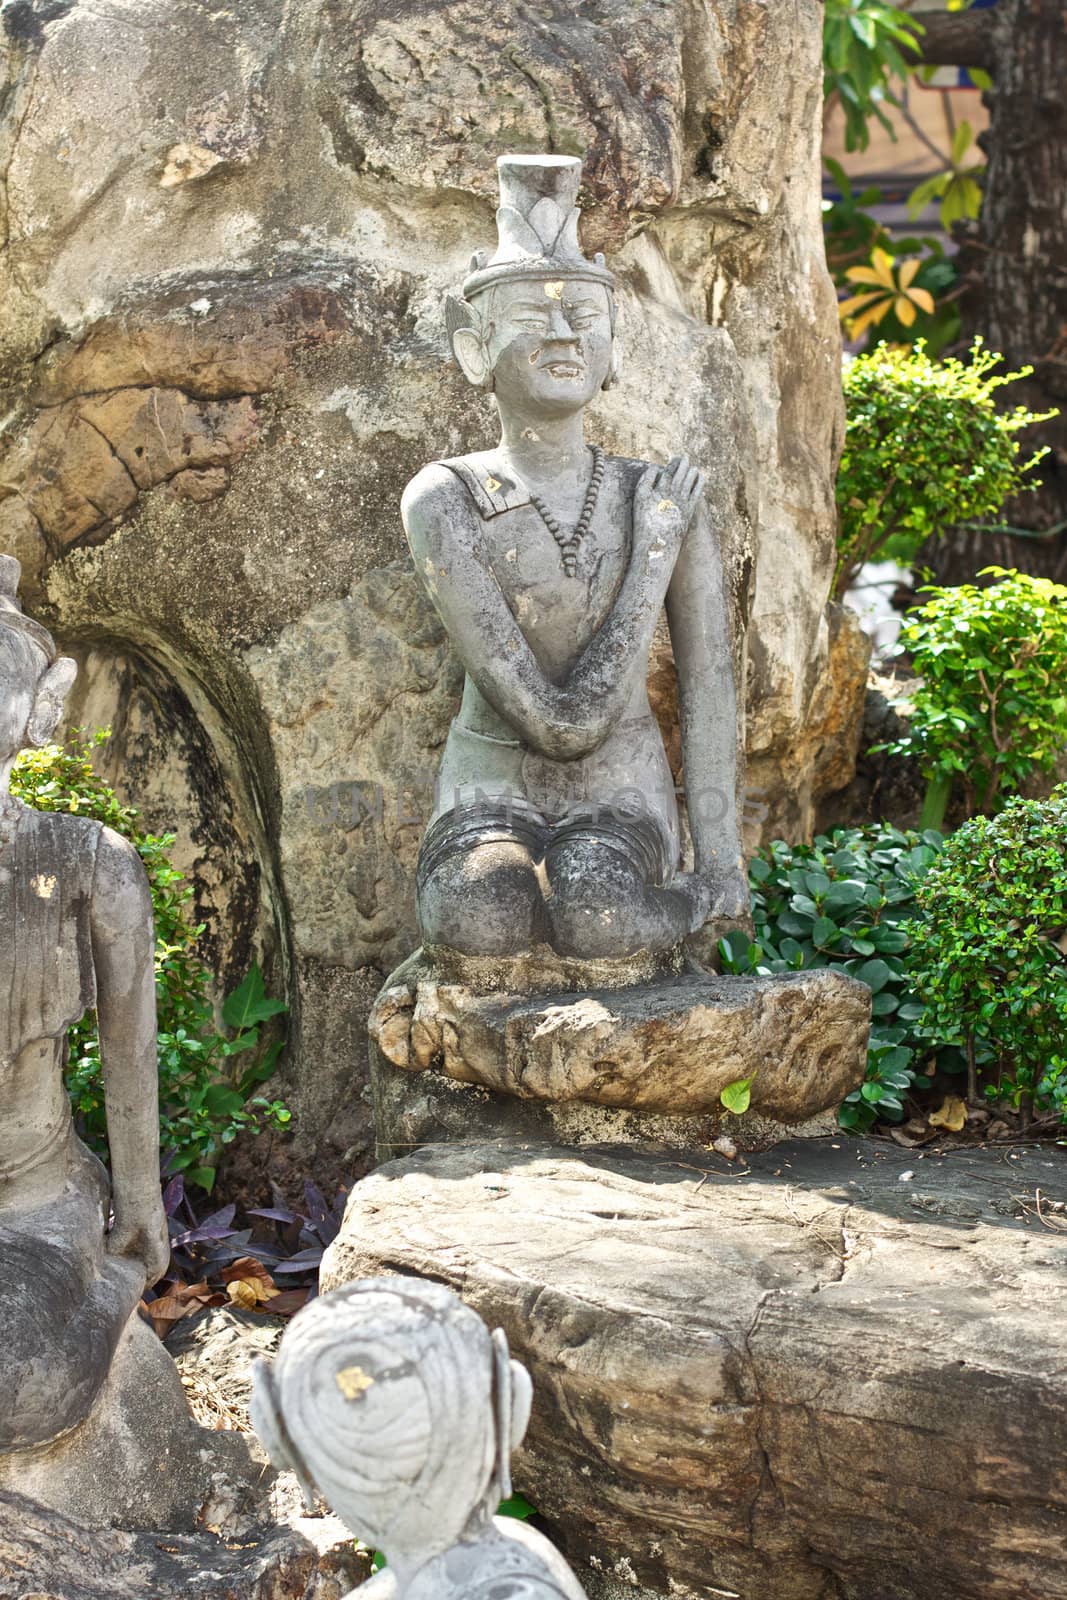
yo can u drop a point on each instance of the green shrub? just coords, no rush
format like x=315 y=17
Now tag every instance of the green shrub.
x=205 y=1099
x=925 y=447
x=987 y=956
x=991 y=708
x=847 y=901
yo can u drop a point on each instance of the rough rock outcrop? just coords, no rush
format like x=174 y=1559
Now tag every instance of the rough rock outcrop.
x=227 y=235
x=836 y=1371
x=46 y=1556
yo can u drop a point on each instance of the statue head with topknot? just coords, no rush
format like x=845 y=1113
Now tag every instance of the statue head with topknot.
x=392 y=1400
x=34 y=680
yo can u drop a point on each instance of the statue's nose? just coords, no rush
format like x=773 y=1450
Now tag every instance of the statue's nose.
x=558 y=326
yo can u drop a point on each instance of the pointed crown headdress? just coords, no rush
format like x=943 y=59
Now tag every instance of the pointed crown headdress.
x=537 y=226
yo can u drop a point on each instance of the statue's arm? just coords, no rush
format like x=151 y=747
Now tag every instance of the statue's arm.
x=562 y=721
x=707 y=696
x=123 y=948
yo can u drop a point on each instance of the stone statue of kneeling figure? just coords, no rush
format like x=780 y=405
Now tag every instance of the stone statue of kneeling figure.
x=391 y=1399
x=555 y=821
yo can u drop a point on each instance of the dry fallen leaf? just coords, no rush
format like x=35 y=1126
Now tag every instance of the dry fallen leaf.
x=248 y=1283
x=176 y=1302
x=952 y=1114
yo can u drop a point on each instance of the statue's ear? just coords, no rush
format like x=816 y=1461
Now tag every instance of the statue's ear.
x=521 y=1403
x=613 y=371
x=468 y=346
x=52 y=690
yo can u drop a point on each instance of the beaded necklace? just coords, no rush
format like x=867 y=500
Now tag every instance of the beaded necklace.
x=569 y=544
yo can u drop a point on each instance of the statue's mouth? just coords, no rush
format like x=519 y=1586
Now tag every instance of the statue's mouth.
x=565 y=369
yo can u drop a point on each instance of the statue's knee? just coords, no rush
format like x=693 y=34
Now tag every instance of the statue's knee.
x=586 y=925
x=595 y=903
x=487 y=902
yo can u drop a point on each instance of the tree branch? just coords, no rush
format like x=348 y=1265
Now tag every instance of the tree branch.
x=954 y=39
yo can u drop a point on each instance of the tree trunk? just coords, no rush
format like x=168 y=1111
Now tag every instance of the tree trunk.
x=955 y=39
x=1014 y=267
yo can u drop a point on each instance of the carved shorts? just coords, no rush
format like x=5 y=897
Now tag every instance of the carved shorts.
x=638 y=836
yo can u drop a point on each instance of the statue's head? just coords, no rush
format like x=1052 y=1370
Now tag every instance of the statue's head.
x=34 y=680
x=392 y=1400
x=536 y=323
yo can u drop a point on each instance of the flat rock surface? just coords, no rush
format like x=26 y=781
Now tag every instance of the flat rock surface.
x=668 y=1046
x=835 y=1371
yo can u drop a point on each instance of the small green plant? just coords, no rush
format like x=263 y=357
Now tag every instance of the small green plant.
x=206 y=1098
x=925 y=448
x=736 y=1097
x=847 y=901
x=988 y=952
x=862 y=45
x=991 y=708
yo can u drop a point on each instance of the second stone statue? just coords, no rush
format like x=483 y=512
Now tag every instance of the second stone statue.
x=555 y=893
x=555 y=821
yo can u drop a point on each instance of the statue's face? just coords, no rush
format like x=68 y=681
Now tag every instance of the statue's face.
x=549 y=344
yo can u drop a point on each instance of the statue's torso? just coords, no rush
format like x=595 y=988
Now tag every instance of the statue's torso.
x=46 y=980
x=558 y=616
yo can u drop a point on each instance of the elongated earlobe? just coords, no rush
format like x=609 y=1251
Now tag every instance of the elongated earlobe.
x=472 y=357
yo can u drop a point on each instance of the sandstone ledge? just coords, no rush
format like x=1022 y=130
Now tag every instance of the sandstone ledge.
x=836 y=1373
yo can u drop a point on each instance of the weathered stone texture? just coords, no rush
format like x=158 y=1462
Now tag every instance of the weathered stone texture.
x=227 y=234
x=47 y=1556
x=671 y=1046
x=833 y=1372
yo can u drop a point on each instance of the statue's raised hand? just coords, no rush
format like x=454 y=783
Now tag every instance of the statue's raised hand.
x=664 y=503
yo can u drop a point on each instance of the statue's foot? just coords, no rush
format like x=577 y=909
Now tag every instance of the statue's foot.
x=696 y=892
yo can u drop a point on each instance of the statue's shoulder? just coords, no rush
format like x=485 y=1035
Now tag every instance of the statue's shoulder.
x=629 y=468
x=479 y=479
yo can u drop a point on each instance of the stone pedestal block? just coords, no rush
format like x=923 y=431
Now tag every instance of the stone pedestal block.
x=643 y=1061
x=836 y=1371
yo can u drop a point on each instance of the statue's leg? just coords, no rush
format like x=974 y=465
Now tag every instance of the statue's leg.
x=477 y=885
x=67 y=1305
x=606 y=895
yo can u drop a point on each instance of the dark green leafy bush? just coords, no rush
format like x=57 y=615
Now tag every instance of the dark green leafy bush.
x=847 y=901
x=991 y=708
x=925 y=447
x=206 y=1097
x=987 y=955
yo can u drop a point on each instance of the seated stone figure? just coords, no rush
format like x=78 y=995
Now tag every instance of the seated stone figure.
x=75 y=931
x=555 y=819
x=392 y=1400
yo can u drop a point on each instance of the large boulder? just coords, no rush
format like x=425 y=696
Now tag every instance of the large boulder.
x=228 y=232
x=835 y=1371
